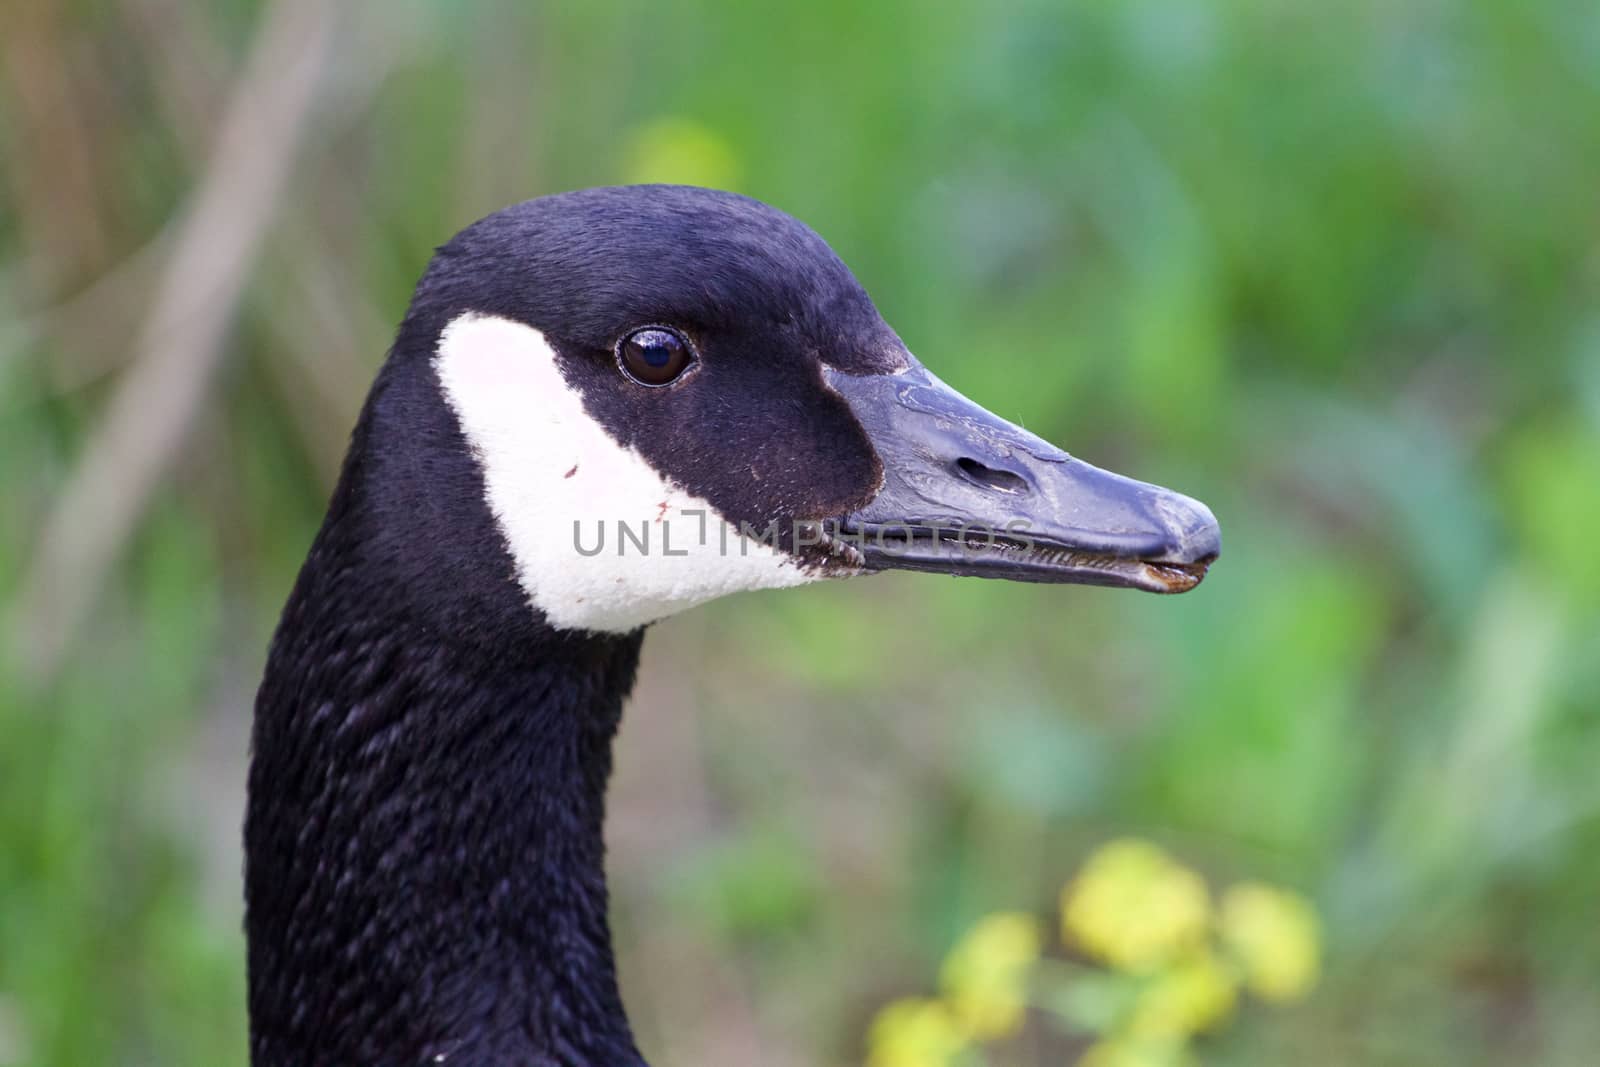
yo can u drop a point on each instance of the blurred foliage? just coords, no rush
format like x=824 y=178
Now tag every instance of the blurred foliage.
x=1332 y=270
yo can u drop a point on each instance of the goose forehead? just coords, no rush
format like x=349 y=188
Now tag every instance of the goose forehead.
x=600 y=539
x=586 y=265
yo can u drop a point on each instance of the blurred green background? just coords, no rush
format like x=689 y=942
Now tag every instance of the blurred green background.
x=1334 y=270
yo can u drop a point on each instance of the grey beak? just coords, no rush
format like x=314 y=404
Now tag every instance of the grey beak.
x=966 y=492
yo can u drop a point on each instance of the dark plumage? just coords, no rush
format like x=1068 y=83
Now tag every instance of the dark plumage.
x=424 y=858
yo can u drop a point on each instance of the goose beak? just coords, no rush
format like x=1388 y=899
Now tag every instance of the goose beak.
x=965 y=492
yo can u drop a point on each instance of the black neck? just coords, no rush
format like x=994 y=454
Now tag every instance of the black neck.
x=424 y=855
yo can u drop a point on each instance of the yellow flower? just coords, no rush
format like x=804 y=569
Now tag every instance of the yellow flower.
x=985 y=976
x=1134 y=907
x=678 y=149
x=1194 y=995
x=914 y=1032
x=1276 y=938
x=1135 y=1052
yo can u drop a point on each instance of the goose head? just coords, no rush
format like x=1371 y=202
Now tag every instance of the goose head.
x=602 y=408
x=672 y=394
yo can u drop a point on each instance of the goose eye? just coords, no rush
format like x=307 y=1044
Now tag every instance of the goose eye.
x=654 y=355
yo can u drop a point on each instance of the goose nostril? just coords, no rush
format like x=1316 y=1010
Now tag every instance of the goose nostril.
x=990 y=478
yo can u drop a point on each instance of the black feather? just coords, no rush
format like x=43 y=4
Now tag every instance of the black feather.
x=424 y=872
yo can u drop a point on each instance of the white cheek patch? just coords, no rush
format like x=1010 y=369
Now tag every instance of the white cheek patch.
x=642 y=548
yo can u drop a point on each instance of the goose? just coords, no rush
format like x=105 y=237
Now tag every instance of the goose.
x=601 y=408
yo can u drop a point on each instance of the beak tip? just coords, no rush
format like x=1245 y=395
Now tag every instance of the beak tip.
x=1195 y=536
